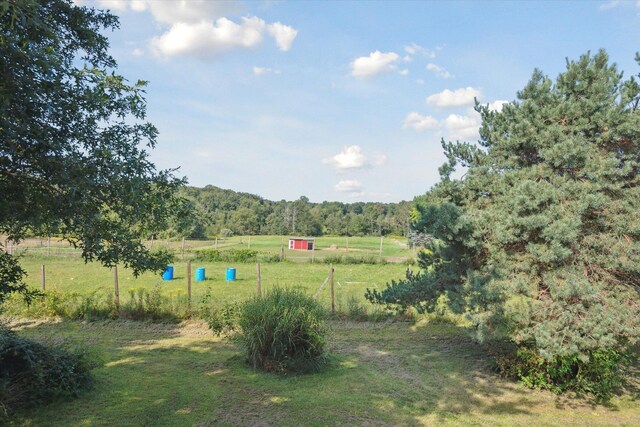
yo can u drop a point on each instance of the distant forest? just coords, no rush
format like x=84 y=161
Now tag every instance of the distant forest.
x=213 y=211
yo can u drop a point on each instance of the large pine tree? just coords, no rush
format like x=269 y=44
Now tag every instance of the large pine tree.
x=540 y=241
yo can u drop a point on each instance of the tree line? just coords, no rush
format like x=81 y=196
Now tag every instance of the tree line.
x=213 y=211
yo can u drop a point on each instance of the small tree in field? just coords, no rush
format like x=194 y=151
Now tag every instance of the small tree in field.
x=540 y=242
x=72 y=138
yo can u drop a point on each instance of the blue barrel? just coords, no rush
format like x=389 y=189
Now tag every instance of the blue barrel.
x=168 y=273
x=200 y=274
x=231 y=274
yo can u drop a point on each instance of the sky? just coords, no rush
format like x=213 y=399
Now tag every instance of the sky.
x=337 y=100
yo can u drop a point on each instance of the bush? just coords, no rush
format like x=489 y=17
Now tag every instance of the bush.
x=284 y=332
x=231 y=255
x=600 y=374
x=32 y=373
x=348 y=259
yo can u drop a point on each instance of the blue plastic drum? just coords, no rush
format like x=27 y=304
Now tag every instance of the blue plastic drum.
x=231 y=274
x=200 y=274
x=168 y=273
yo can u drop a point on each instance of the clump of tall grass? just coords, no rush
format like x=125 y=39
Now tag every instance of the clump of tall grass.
x=284 y=332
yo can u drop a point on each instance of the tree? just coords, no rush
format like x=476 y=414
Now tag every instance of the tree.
x=73 y=140
x=540 y=241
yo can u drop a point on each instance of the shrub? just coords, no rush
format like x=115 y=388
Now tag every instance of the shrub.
x=231 y=255
x=32 y=373
x=284 y=332
x=600 y=374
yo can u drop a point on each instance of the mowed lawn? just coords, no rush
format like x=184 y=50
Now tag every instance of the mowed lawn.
x=379 y=374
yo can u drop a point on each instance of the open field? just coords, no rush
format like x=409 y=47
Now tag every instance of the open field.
x=72 y=275
x=380 y=374
x=394 y=249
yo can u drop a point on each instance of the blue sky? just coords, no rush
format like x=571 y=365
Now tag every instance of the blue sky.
x=342 y=101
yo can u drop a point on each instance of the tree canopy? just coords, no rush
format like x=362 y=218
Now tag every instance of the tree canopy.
x=74 y=140
x=539 y=242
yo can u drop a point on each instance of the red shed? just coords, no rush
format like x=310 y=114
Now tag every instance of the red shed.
x=302 y=244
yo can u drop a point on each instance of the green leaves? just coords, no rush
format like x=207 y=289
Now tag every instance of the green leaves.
x=541 y=238
x=72 y=160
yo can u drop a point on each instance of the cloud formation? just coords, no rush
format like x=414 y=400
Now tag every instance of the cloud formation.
x=200 y=28
x=419 y=122
x=349 y=186
x=206 y=39
x=260 y=71
x=439 y=71
x=352 y=157
x=463 y=127
x=457 y=98
x=376 y=63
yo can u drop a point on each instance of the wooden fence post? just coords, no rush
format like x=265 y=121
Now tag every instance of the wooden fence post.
x=115 y=285
x=249 y=245
x=182 y=248
x=313 y=252
x=282 y=249
x=333 y=303
x=258 y=284
x=216 y=244
x=42 y=279
x=189 y=281
x=381 y=246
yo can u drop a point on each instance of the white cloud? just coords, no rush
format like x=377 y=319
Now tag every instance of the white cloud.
x=376 y=63
x=457 y=98
x=200 y=28
x=414 y=49
x=439 y=71
x=183 y=11
x=404 y=72
x=137 y=52
x=350 y=157
x=497 y=105
x=207 y=39
x=419 y=122
x=463 y=127
x=349 y=186
x=283 y=34
x=260 y=71
x=407 y=58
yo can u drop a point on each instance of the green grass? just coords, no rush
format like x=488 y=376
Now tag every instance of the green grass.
x=393 y=249
x=71 y=274
x=380 y=374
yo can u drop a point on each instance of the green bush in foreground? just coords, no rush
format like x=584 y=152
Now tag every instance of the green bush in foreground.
x=284 y=332
x=32 y=373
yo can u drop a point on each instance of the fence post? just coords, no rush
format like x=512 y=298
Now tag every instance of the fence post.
x=49 y=246
x=42 y=279
x=115 y=285
x=182 y=248
x=381 y=246
x=216 y=245
x=333 y=303
x=282 y=249
x=313 y=252
x=249 y=245
x=258 y=284
x=189 y=282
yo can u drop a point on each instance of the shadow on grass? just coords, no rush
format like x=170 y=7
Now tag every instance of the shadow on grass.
x=379 y=374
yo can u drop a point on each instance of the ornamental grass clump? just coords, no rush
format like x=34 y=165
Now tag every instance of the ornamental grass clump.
x=284 y=332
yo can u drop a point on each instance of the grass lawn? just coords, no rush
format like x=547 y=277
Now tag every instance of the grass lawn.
x=380 y=374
